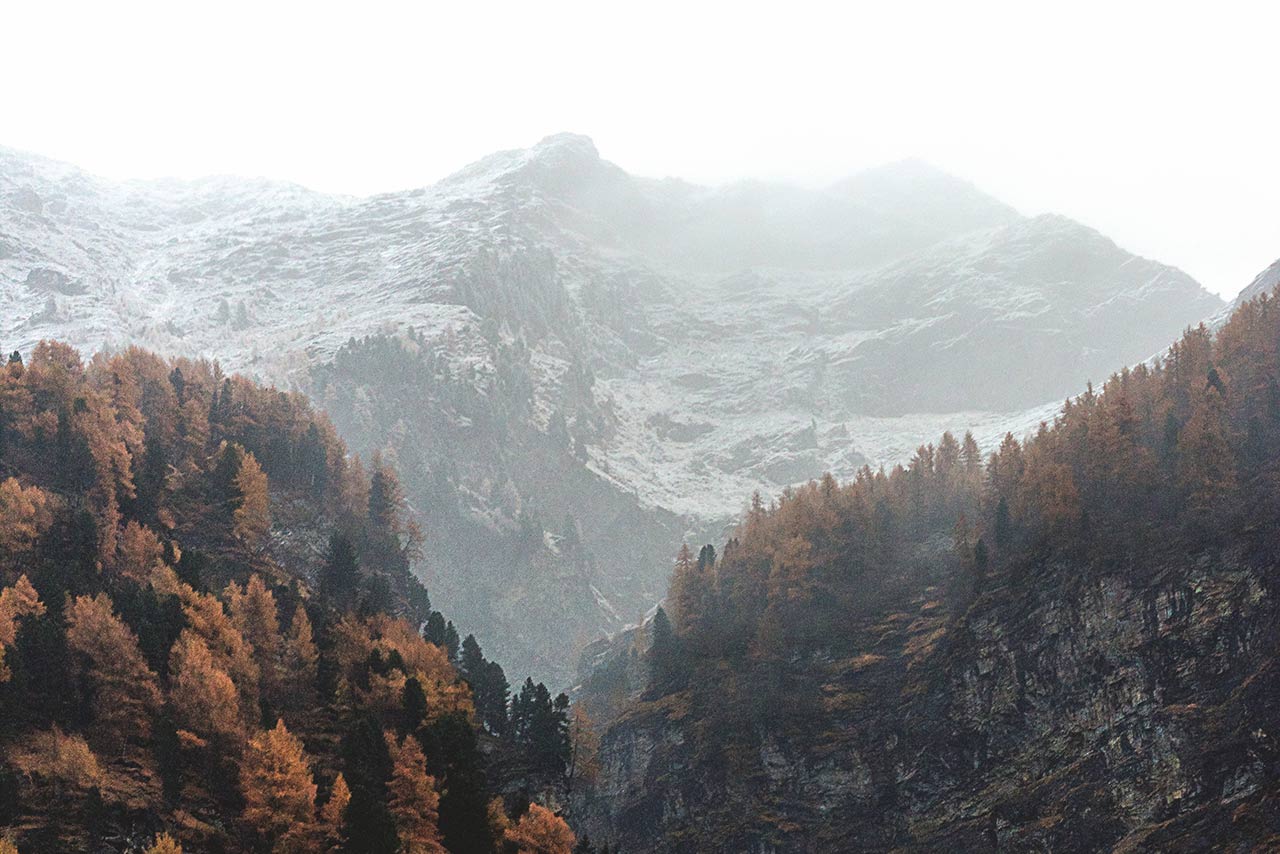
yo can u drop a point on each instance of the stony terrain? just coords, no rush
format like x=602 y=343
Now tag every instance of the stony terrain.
x=1081 y=711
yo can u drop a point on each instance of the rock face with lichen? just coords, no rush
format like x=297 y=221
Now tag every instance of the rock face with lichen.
x=1078 y=708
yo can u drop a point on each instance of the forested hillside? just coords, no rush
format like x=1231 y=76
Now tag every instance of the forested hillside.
x=1067 y=645
x=210 y=638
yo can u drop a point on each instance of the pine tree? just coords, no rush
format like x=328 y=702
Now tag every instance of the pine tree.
x=414 y=703
x=662 y=653
x=340 y=577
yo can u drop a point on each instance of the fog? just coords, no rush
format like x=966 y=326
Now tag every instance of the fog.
x=1152 y=123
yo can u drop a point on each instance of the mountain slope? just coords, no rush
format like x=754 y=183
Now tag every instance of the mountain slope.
x=561 y=329
x=1069 y=647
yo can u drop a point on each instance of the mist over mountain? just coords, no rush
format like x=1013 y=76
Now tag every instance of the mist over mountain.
x=574 y=368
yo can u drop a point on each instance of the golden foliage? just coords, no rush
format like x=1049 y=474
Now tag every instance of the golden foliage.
x=253 y=614
x=252 y=517
x=280 y=796
x=203 y=695
x=334 y=811
x=127 y=692
x=412 y=798
x=301 y=659
x=164 y=844
x=16 y=602
x=26 y=514
x=139 y=551
x=231 y=653
x=499 y=824
x=54 y=755
x=540 y=831
x=355 y=639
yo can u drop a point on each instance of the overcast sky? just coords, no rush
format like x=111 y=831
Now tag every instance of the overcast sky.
x=1155 y=123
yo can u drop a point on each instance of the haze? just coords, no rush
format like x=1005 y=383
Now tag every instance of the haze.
x=1154 y=124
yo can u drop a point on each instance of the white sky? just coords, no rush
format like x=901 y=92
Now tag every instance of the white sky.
x=1156 y=123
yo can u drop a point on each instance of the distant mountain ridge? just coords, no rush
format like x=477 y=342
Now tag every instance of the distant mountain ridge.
x=543 y=335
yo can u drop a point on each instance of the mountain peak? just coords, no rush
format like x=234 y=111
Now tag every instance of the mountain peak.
x=554 y=162
x=1265 y=282
x=567 y=144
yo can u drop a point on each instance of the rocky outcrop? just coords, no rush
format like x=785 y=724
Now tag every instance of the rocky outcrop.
x=1072 y=710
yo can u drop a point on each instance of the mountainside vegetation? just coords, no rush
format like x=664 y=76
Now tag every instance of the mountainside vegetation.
x=1067 y=644
x=211 y=639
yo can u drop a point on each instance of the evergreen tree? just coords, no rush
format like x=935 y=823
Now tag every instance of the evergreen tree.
x=662 y=653
x=340 y=576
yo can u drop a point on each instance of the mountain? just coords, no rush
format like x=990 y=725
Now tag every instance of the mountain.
x=574 y=368
x=1264 y=283
x=1067 y=646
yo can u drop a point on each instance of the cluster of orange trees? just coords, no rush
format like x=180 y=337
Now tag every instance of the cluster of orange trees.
x=210 y=636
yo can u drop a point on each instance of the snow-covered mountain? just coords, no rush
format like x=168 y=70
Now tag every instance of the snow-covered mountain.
x=574 y=367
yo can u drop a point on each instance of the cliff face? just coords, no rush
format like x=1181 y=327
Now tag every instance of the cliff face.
x=1074 y=708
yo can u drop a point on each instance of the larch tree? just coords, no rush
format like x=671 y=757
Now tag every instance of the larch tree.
x=252 y=609
x=279 y=794
x=126 y=692
x=16 y=603
x=412 y=798
x=301 y=660
x=252 y=516
x=333 y=813
x=26 y=514
x=138 y=552
x=231 y=652
x=1206 y=466
x=164 y=844
x=204 y=697
x=540 y=831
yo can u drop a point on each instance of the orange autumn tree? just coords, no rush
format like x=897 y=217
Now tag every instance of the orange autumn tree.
x=138 y=552
x=540 y=831
x=231 y=653
x=26 y=514
x=412 y=798
x=126 y=692
x=203 y=696
x=279 y=794
x=164 y=844
x=16 y=602
x=300 y=662
x=356 y=639
x=334 y=811
x=253 y=613
x=252 y=516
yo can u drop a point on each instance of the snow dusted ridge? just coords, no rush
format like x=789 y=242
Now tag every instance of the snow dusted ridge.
x=753 y=336
x=643 y=354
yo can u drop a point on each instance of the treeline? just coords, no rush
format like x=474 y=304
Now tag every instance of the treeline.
x=1175 y=455
x=210 y=635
